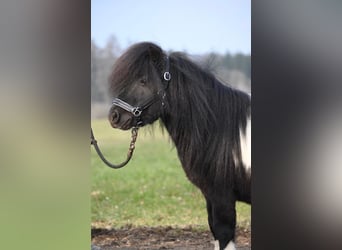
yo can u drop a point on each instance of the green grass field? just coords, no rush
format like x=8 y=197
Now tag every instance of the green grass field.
x=152 y=190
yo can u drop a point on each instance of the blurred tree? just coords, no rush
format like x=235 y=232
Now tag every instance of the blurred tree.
x=233 y=70
x=102 y=60
x=96 y=95
x=238 y=62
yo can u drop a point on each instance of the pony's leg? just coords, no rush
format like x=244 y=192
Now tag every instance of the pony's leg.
x=210 y=222
x=210 y=217
x=223 y=222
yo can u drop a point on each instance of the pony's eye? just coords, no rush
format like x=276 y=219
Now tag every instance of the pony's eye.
x=142 y=81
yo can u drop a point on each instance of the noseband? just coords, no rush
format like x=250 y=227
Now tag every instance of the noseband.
x=136 y=111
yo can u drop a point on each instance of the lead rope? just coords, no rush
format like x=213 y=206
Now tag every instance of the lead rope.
x=129 y=153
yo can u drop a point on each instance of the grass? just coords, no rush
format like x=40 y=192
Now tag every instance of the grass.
x=152 y=190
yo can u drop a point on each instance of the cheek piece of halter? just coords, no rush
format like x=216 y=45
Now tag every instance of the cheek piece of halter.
x=136 y=111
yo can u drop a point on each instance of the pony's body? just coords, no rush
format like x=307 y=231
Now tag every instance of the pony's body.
x=208 y=122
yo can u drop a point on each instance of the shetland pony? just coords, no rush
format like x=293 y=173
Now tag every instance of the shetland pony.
x=209 y=123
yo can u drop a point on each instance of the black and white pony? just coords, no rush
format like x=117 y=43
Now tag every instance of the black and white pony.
x=209 y=123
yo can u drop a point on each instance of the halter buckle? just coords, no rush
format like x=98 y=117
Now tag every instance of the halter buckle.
x=136 y=111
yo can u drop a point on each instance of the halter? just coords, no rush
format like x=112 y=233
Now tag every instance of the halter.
x=136 y=111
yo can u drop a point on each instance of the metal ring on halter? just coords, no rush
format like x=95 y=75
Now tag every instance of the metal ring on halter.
x=167 y=76
x=136 y=111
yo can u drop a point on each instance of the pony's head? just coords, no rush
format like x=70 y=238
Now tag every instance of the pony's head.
x=137 y=86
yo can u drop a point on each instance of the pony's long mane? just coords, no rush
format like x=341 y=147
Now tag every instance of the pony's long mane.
x=204 y=117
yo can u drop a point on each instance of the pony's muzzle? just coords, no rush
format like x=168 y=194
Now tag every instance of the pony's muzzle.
x=120 y=119
x=114 y=117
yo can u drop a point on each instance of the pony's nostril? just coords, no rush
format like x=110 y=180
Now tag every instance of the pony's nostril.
x=115 y=117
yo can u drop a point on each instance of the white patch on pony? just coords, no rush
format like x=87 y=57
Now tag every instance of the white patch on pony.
x=216 y=245
x=245 y=145
x=230 y=246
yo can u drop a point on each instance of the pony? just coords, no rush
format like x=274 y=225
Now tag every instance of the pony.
x=208 y=122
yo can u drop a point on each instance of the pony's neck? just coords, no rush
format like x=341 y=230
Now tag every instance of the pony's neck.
x=194 y=115
x=199 y=111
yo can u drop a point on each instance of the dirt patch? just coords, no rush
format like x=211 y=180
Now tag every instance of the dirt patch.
x=144 y=238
